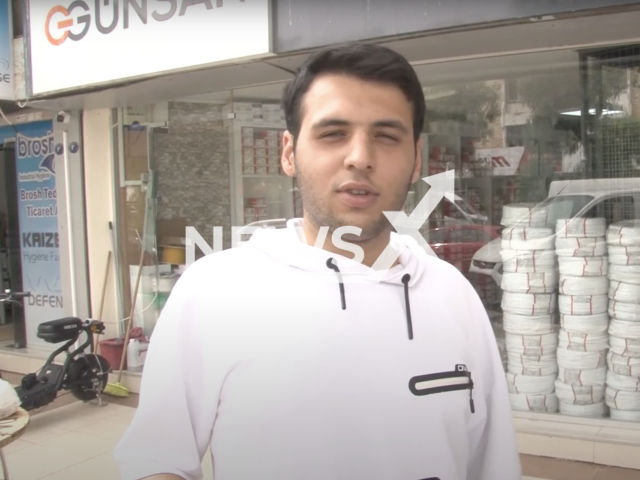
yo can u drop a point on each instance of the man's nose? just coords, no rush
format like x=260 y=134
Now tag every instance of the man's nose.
x=361 y=153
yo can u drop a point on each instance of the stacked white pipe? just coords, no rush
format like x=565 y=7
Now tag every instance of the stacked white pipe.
x=623 y=378
x=529 y=304
x=582 y=302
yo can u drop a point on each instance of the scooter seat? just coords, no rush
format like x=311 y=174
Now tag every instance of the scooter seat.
x=61 y=330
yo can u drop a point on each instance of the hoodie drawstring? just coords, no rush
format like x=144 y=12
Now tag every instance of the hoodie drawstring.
x=405 y=280
x=333 y=267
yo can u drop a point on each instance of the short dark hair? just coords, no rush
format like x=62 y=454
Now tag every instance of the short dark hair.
x=365 y=61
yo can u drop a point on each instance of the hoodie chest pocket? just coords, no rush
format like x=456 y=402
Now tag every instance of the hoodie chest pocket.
x=442 y=383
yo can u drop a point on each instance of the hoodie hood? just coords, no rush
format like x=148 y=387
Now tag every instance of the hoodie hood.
x=289 y=246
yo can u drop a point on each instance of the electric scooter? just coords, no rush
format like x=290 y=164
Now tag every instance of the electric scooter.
x=84 y=374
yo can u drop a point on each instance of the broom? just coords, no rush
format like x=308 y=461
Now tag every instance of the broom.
x=117 y=389
x=102 y=296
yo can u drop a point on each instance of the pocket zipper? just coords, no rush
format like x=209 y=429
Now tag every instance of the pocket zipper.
x=458 y=379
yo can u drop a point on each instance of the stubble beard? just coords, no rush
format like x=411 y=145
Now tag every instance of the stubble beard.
x=321 y=214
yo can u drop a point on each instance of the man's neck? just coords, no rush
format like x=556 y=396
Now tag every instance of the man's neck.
x=372 y=248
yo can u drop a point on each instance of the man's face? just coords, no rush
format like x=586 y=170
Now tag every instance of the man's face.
x=355 y=156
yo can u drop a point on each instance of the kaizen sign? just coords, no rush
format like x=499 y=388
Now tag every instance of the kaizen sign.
x=103 y=41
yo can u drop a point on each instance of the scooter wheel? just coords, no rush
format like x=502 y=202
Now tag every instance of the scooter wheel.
x=88 y=377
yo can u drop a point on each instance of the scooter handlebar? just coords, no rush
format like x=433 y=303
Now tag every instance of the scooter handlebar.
x=9 y=295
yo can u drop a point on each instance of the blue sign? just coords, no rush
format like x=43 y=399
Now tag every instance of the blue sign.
x=35 y=152
x=6 y=47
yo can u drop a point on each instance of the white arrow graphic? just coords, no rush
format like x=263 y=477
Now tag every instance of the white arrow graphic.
x=442 y=185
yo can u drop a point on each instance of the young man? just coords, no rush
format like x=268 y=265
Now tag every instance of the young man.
x=284 y=357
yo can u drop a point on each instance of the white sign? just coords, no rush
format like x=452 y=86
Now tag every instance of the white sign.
x=503 y=161
x=83 y=43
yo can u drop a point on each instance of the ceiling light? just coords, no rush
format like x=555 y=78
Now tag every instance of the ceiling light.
x=577 y=113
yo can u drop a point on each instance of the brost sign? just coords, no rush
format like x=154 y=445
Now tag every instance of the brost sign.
x=60 y=20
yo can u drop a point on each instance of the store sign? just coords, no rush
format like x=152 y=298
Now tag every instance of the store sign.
x=6 y=61
x=503 y=161
x=36 y=151
x=90 y=42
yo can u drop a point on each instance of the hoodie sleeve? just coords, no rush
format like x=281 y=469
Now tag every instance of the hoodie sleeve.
x=171 y=430
x=493 y=448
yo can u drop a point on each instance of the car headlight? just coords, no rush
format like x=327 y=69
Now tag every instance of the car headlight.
x=484 y=265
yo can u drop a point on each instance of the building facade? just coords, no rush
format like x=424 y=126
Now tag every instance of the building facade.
x=534 y=105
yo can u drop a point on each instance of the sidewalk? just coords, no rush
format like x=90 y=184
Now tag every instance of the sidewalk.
x=71 y=440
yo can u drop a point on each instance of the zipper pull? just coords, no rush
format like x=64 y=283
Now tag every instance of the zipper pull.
x=473 y=408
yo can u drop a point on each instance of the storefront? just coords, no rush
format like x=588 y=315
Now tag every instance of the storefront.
x=41 y=234
x=535 y=106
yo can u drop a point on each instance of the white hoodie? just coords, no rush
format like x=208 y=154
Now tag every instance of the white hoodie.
x=255 y=357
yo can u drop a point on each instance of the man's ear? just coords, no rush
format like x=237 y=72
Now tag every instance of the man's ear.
x=418 y=162
x=287 y=160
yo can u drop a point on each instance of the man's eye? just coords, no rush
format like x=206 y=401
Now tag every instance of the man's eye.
x=386 y=136
x=332 y=134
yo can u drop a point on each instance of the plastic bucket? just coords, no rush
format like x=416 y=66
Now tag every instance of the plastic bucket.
x=112 y=350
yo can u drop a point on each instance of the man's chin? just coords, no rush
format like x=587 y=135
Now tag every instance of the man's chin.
x=369 y=228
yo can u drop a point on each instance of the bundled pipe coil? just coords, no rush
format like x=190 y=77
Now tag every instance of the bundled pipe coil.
x=527 y=238
x=624 y=311
x=579 y=395
x=529 y=303
x=623 y=382
x=534 y=403
x=531 y=345
x=583 y=378
x=624 y=292
x=579 y=227
x=623 y=365
x=625 y=329
x=621 y=399
x=596 y=410
x=529 y=261
x=625 y=273
x=524 y=215
x=540 y=385
x=581 y=360
x=583 y=266
x=584 y=323
x=624 y=255
x=529 y=325
x=542 y=282
x=624 y=346
x=583 y=285
x=583 y=342
x=529 y=366
x=624 y=415
x=625 y=233
x=580 y=247
x=583 y=304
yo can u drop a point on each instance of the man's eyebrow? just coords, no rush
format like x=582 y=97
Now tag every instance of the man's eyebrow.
x=391 y=124
x=331 y=122
x=338 y=122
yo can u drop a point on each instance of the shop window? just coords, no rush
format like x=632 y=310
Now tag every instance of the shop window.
x=573 y=149
x=511 y=87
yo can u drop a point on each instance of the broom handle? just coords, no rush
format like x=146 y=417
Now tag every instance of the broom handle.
x=129 y=322
x=104 y=293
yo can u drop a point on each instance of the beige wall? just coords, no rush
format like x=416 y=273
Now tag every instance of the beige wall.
x=99 y=164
